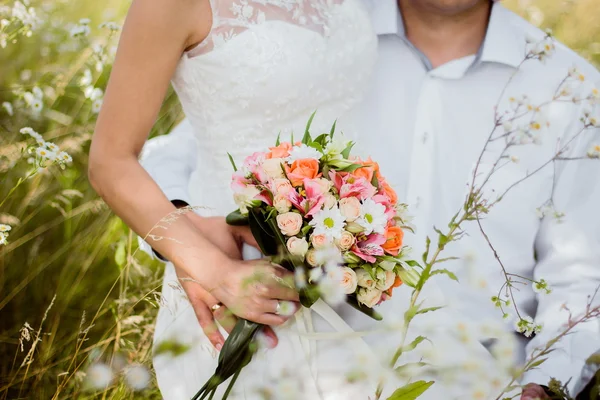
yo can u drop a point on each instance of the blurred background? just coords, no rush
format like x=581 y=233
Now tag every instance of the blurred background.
x=73 y=290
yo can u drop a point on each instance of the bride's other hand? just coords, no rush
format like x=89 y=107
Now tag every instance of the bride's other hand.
x=258 y=291
x=230 y=240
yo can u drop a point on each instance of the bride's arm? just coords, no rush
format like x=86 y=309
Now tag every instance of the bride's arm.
x=154 y=36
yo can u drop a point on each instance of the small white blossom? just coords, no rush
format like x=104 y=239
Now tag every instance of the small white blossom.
x=514 y=159
x=3 y=238
x=5 y=228
x=113 y=26
x=64 y=157
x=525 y=326
x=303 y=152
x=96 y=106
x=594 y=151
x=8 y=107
x=52 y=147
x=137 y=377
x=86 y=79
x=99 y=376
x=45 y=153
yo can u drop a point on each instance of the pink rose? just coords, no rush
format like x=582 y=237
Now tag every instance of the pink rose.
x=319 y=185
x=349 y=280
x=289 y=223
x=297 y=246
x=281 y=203
x=369 y=297
x=350 y=208
x=319 y=241
x=345 y=241
x=281 y=186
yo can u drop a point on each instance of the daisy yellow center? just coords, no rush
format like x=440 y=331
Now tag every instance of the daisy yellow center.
x=369 y=218
x=328 y=222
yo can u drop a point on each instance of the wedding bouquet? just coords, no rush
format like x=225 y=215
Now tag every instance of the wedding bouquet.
x=329 y=218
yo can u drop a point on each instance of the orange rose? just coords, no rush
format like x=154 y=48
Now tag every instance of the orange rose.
x=393 y=243
x=281 y=151
x=302 y=169
x=367 y=171
x=389 y=191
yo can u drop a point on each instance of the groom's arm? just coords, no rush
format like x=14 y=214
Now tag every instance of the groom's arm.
x=568 y=258
x=170 y=160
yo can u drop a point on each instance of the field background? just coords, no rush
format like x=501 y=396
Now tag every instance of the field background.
x=70 y=270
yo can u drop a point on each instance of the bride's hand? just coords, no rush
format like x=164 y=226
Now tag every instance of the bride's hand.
x=258 y=291
x=230 y=240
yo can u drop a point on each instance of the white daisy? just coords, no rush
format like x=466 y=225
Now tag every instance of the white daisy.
x=303 y=151
x=5 y=228
x=3 y=238
x=329 y=222
x=96 y=106
x=64 y=157
x=52 y=147
x=372 y=217
x=45 y=153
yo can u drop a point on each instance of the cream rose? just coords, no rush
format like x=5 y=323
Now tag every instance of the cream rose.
x=319 y=241
x=350 y=208
x=324 y=184
x=385 y=280
x=281 y=203
x=311 y=257
x=364 y=279
x=245 y=198
x=289 y=223
x=368 y=297
x=297 y=246
x=330 y=201
x=273 y=168
x=345 y=241
x=349 y=280
x=282 y=186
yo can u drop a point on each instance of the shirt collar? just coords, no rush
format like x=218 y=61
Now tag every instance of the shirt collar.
x=504 y=41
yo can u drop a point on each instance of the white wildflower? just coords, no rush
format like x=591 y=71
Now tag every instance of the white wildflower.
x=113 y=26
x=37 y=105
x=52 y=147
x=508 y=126
x=93 y=93
x=45 y=153
x=3 y=238
x=99 y=376
x=86 y=79
x=372 y=217
x=514 y=159
x=328 y=222
x=96 y=106
x=5 y=228
x=137 y=377
x=8 y=107
x=303 y=152
x=525 y=326
x=594 y=151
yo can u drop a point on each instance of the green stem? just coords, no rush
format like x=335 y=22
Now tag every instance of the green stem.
x=17 y=185
x=230 y=387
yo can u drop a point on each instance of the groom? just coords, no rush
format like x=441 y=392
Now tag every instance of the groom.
x=443 y=65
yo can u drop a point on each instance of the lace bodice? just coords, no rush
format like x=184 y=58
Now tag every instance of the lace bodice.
x=263 y=69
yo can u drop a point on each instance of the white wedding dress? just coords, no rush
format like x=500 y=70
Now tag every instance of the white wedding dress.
x=265 y=67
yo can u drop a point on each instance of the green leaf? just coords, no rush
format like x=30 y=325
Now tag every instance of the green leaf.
x=426 y=253
x=232 y=162
x=347 y=150
x=351 y=168
x=309 y=296
x=169 y=346
x=321 y=139
x=121 y=254
x=411 y=391
x=369 y=268
x=262 y=233
x=428 y=309
x=450 y=274
x=375 y=181
x=307 y=139
x=332 y=132
x=536 y=363
x=316 y=145
x=305 y=230
x=413 y=345
x=278 y=141
x=410 y=366
x=236 y=218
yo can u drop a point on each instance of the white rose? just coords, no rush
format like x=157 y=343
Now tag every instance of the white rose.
x=319 y=241
x=281 y=203
x=369 y=297
x=245 y=198
x=289 y=223
x=349 y=280
x=330 y=201
x=364 y=279
x=297 y=246
x=345 y=241
x=386 y=281
x=350 y=208
x=273 y=168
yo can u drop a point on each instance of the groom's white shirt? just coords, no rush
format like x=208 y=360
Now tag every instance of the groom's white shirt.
x=426 y=128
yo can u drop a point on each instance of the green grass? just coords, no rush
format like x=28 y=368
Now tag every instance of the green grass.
x=65 y=244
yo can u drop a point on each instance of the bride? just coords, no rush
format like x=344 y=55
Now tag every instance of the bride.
x=244 y=71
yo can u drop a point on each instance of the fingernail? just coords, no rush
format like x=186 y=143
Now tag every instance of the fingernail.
x=219 y=346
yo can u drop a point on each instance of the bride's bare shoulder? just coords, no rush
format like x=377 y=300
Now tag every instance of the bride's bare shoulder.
x=188 y=21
